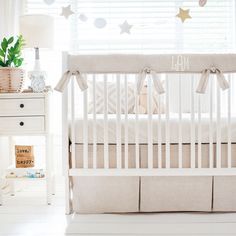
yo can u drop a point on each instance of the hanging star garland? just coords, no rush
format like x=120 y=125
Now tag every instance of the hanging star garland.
x=125 y=27
x=183 y=14
x=66 y=11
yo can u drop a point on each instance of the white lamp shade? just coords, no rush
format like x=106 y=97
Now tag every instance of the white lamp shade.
x=37 y=30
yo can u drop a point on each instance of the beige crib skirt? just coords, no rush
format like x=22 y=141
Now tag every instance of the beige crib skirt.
x=153 y=194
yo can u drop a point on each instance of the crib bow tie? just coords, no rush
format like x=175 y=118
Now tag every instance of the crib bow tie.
x=66 y=77
x=156 y=81
x=203 y=82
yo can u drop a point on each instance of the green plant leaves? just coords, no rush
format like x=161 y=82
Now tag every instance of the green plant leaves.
x=10 y=52
x=10 y=40
x=2 y=54
x=2 y=64
x=4 y=44
x=18 y=61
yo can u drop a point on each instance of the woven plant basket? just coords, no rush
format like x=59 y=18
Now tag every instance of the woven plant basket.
x=11 y=80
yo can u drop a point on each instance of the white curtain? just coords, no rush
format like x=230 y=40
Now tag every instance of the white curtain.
x=10 y=10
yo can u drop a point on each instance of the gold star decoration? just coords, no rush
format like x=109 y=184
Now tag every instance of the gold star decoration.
x=183 y=14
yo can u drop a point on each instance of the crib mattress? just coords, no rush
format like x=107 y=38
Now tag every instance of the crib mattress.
x=143 y=128
x=143 y=156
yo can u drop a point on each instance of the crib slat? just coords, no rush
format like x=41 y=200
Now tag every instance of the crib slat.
x=150 y=134
x=167 y=157
x=180 y=122
x=229 y=124
x=136 y=124
x=200 y=131
x=65 y=146
x=106 y=157
x=211 y=162
x=118 y=123
x=218 y=130
x=126 y=123
x=73 y=124
x=193 y=137
x=159 y=132
x=85 y=130
x=94 y=124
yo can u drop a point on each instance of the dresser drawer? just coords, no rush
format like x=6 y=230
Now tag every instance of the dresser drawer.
x=21 y=124
x=21 y=107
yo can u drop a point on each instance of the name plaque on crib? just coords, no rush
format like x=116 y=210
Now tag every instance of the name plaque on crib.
x=180 y=63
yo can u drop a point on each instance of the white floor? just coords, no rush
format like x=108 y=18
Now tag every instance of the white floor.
x=26 y=214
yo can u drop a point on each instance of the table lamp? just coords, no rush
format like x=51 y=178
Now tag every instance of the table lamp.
x=38 y=32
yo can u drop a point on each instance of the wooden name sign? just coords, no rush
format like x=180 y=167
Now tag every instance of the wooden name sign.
x=24 y=156
x=24 y=162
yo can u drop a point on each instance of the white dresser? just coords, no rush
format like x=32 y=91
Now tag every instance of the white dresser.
x=27 y=114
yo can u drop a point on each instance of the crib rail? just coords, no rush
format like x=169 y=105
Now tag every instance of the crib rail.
x=153 y=172
x=181 y=131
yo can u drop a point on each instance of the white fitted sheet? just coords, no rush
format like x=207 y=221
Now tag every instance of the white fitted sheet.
x=143 y=128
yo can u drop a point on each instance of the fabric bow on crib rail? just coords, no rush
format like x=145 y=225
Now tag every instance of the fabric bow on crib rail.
x=203 y=82
x=156 y=81
x=66 y=77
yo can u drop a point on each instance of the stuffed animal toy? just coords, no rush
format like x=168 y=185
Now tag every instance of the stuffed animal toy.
x=143 y=102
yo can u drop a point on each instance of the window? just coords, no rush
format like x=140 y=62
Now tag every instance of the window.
x=155 y=28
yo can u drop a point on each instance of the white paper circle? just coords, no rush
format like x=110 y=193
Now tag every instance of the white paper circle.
x=83 y=17
x=100 y=23
x=49 y=2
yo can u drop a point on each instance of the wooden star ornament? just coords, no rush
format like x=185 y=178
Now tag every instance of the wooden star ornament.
x=66 y=11
x=183 y=14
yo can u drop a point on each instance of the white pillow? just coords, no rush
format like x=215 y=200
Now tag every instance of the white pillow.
x=111 y=97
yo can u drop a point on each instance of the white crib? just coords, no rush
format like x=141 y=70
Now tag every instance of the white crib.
x=200 y=85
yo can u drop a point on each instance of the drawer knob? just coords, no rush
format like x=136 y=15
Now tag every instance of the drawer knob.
x=22 y=105
x=22 y=123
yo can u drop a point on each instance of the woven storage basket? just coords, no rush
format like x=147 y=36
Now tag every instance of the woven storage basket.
x=11 y=79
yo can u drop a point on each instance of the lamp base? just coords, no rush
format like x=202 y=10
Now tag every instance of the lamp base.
x=37 y=66
x=38 y=79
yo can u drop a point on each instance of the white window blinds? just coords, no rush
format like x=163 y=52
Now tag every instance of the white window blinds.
x=155 y=29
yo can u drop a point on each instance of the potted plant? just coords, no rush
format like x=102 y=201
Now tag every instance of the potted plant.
x=11 y=75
